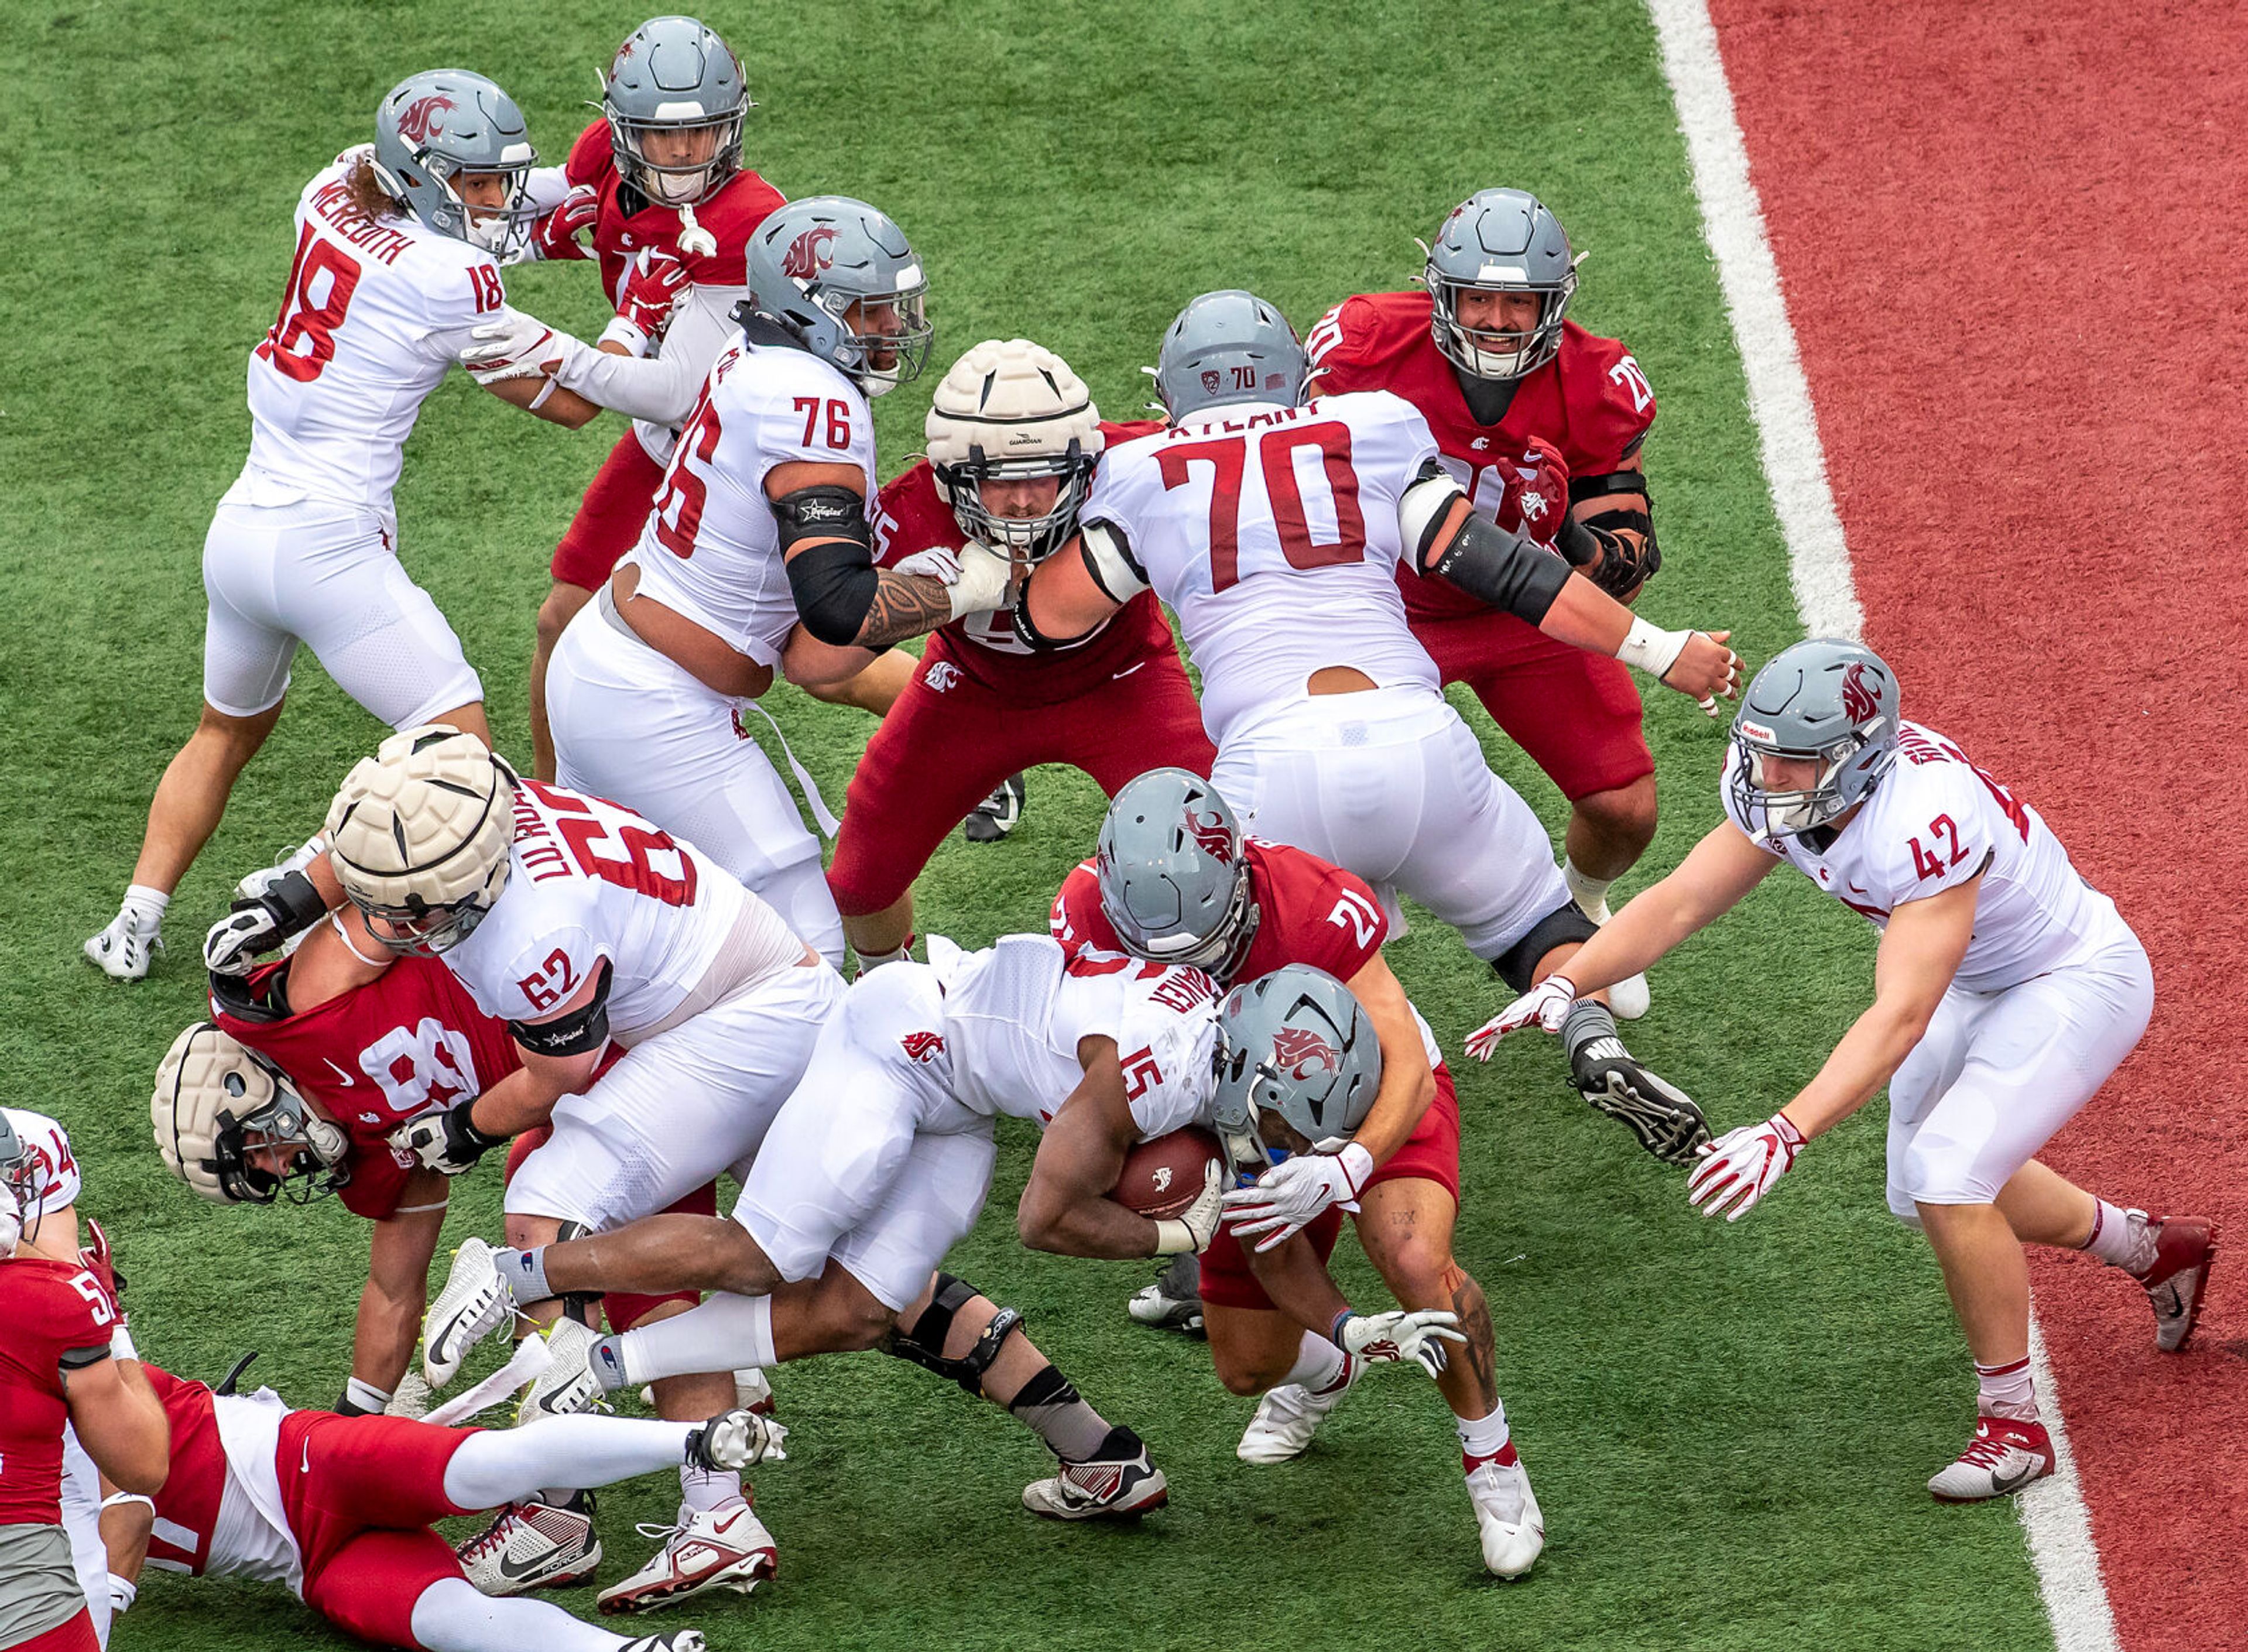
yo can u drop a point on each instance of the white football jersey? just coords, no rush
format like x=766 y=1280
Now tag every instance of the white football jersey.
x=44 y=1140
x=1935 y=821
x=375 y=313
x=588 y=882
x=1015 y=1011
x=1272 y=533
x=710 y=549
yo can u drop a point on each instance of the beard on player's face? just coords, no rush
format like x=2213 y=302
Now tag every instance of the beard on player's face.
x=1513 y=314
x=1019 y=498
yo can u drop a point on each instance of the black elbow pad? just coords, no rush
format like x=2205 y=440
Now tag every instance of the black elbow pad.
x=1504 y=569
x=834 y=581
x=582 y=1031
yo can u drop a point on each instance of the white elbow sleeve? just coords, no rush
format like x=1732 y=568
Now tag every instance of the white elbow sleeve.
x=1420 y=508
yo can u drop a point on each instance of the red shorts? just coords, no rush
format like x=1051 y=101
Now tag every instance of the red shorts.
x=1576 y=713
x=939 y=753
x=1430 y=1154
x=360 y=1494
x=75 y=1636
x=622 y=1311
x=609 y=516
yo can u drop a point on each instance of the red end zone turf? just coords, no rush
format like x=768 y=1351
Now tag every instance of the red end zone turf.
x=2010 y=237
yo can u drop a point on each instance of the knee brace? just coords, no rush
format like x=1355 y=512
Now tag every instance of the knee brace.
x=1557 y=928
x=924 y=1344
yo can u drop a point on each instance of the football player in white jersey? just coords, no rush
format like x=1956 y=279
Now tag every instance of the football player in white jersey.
x=877 y=1166
x=1274 y=530
x=2007 y=990
x=762 y=521
x=580 y=924
x=396 y=267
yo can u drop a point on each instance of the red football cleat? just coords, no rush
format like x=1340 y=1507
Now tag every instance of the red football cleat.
x=2184 y=1246
x=2003 y=1457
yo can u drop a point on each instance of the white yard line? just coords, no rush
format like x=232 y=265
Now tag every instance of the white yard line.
x=2053 y=1513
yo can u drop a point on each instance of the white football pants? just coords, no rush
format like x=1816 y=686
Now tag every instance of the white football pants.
x=1391 y=783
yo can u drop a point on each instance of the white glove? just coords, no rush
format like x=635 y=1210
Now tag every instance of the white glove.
x=516 y=346
x=11 y=1221
x=1397 y=1336
x=1740 y=1166
x=936 y=563
x=259 y=884
x=1545 y=1004
x=1195 y=1227
x=983 y=584
x=1294 y=1192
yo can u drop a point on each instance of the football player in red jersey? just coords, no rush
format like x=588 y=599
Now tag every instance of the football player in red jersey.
x=338 y=1508
x=1013 y=441
x=1506 y=381
x=66 y=1362
x=1176 y=880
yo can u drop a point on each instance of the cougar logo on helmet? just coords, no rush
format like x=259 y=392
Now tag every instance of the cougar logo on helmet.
x=1208 y=830
x=1860 y=698
x=809 y=253
x=1304 y=1053
x=420 y=123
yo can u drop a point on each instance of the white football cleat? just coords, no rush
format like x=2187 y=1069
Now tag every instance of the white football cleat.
x=1287 y=1417
x=723 y=1548
x=532 y=1545
x=752 y=1392
x=677 y=1640
x=2003 y=1456
x=735 y=1440
x=1629 y=998
x=568 y=1386
x=122 y=951
x=1118 y=1488
x=1513 y=1526
x=475 y=1302
x=1174 y=1302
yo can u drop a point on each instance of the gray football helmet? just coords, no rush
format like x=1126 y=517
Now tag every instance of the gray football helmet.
x=1174 y=875
x=1295 y=1042
x=811 y=261
x=1825 y=699
x=672 y=74
x=22 y=1173
x=1229 y=346
x=1499 y=241
x=435 y=126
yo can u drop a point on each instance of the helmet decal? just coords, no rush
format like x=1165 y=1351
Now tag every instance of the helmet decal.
x=1212 y=381
x=420 y=123
x=1302 y=1052
x=1861 y=693
x=809 y=253
x=1209 y=829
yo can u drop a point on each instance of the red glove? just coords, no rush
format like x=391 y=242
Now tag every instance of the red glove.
x=555 y=234
x=96 y=1259
x=658 y=281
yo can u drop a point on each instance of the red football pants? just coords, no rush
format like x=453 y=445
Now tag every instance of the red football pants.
x=938 y=754
x=609 y=516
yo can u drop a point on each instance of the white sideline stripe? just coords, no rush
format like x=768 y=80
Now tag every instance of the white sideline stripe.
x=2058 y=1525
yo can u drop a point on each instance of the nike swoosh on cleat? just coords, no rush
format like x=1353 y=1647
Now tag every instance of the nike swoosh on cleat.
x=514 y=1573
x=2003 y=1483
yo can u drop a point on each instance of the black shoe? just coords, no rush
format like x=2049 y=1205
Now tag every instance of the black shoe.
x=998 y=815
x=1662 y=1115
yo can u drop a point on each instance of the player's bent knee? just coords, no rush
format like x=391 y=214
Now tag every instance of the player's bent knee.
x=1626 y=814
x=1942 y=1178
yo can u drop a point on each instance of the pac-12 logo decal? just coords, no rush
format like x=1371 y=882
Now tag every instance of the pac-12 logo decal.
x=1211 y=379
x=420 y=123
x=1304 y=1052
x=809 y=253
x=1208 y=830
x=922 y=1046
x=1861 y=696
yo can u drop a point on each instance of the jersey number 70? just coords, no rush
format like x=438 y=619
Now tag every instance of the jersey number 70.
x=1276 y=452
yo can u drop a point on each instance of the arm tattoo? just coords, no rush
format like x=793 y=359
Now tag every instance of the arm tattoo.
x=904 y=605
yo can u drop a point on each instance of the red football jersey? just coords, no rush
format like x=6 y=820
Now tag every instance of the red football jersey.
x=411 y=1041
x=912 y=516
x=731 y=216
x=1591 y=405
x=54 y=1312
x=187 y=1507
x=1308 y=910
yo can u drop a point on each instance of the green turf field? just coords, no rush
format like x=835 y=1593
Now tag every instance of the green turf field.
x=1728 y=1426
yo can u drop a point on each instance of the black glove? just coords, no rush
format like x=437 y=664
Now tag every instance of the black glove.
x=447 y=1143
x=1618 y=566
x=262 y=922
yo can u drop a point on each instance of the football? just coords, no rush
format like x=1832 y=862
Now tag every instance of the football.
x=1161 y=1178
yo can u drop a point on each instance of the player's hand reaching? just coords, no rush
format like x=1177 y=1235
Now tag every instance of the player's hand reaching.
x=1705 y=670
x=1740 y=1166
x=515 y=346
x=290 y=905
x=1399 y=1335
x=1294 y=1192
x=936 y=563
x=1545 y=1006
x=983 y=582
x=554 y=234
x=656 y=284
x=447 y=1143
x=1196 y=1226
x=97 y=1258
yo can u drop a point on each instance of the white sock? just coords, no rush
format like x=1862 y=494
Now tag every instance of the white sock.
x=146 y=906
x=497 y=1466
x=1591 y=894
x=2006 y=1391
x=1319 y=1365
x=1485 y=1437
x=701 y=1490
x=2120 y=1242
x=724 y=1333
x=451 y=1617
x=876 y=960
